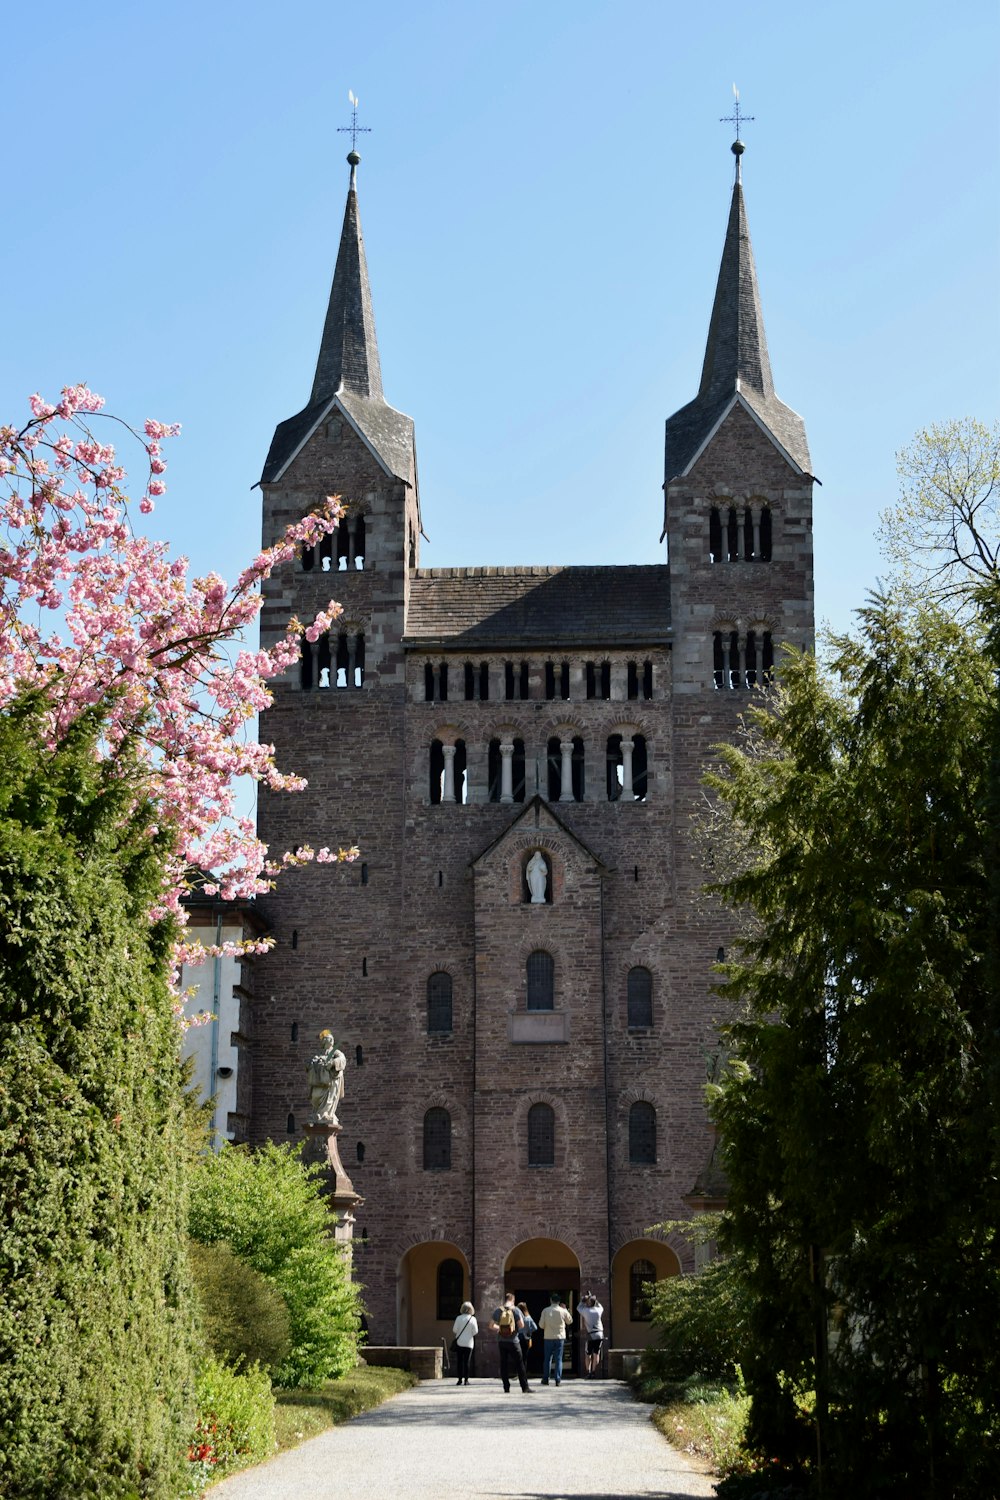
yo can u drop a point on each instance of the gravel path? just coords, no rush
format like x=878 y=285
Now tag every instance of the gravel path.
x=585 y=1440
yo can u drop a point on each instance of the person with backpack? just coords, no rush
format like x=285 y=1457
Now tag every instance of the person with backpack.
x=507 y=1323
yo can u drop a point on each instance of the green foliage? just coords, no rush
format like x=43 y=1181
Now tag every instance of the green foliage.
x=304 y=1414
x=859 y=1108
x=267 y=1205
x=96 y=1318
x=235 y=1425
x=701 y=1323
x=244 y=1316
x=708 y=1421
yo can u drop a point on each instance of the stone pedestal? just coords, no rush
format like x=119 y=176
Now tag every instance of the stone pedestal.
x=340 y=1195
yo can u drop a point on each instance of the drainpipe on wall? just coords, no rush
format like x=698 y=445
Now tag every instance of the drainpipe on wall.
x=607 y=1130
x=216 y=994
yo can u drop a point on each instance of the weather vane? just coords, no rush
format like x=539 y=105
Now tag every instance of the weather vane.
x=736 y=118
x=354 y=127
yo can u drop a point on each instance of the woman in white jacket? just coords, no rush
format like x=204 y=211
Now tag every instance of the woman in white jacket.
x=464 y=1330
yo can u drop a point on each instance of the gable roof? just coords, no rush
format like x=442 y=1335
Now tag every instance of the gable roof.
x=737 y=366
x=348 y=370
x=534 y=808
x=537 y=607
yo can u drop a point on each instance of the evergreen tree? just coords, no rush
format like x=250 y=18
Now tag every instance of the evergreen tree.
x=857 y=1110
x=96 y=1327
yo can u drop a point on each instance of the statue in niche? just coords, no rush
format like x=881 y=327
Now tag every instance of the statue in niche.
x=537 y=874
x=326 y=1080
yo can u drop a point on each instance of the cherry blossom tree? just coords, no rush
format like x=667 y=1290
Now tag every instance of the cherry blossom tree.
x=94 y=615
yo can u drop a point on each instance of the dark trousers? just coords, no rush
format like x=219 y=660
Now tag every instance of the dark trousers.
x=510 y=1354
x=464 y=1355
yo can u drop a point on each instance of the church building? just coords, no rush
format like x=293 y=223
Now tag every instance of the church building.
x=518 y=968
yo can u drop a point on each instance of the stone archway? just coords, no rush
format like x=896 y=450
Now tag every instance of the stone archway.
x=629 y=1268
x=431 y=1283
x=532 y=1271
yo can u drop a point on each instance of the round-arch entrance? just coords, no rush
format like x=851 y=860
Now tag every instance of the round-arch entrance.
x=535 y=1269
x=637 y=1263
x=432 y=1283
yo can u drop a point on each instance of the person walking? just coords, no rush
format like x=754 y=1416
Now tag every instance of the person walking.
x=554 y=1322
x=527 y=1333
x=464 y=1330
x=592 y=1326
x=507 y=1323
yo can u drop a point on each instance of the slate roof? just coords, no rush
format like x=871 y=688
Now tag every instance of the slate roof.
x=348 y=371
x=525 y=607
x=737 y=366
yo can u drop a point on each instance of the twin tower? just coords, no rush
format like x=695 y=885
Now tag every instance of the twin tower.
x=519 y=967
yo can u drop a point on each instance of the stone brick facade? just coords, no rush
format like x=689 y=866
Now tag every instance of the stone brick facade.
x=441 y=890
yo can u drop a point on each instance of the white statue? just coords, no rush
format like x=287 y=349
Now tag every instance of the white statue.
x=326 y=1080
x=538 y=877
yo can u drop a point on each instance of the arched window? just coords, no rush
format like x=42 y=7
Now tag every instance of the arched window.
x=767 y=658
x=642 y=1134
x=437 y=1141
x=615 y=767
x=714 y=535
x=766 y=533
x=326 y=552
x=360 y=1151
x=541 y=1136
x=436 y=770
x=640 y=999
x=577 y=768
x=494 y=771
x=359 y=543
x=324 y=662
x=640 y=1273
x=439 y=1002
x=733 y=535
x=428 y=682
x=640 y=771
x=290 y=1125
x=450 y=1286
x=343 y=662
x=554 y=763
x=541 y=980
x=343 y=545
x=305 y=665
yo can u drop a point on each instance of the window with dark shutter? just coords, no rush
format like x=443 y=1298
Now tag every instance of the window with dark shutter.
x=642 y=1134
x=541 y=980
x=439 y=1002
x=640 y=999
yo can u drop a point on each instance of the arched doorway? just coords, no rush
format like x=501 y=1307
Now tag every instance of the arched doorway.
x=432 y=1283
x=535 y=1269
x=637 y=1262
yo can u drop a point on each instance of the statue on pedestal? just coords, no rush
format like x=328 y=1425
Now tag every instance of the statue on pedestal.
x=326 y=1080
x=537 y=875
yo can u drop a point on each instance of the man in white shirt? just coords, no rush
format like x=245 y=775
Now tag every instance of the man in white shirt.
x=592 y=1326
x=554 y=1322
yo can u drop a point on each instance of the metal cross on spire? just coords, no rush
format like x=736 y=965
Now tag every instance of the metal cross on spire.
x=737 y=117
x=354 y=128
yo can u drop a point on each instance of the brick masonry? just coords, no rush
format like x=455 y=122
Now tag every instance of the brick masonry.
x=440 y=887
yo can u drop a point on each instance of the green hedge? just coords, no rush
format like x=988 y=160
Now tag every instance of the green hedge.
x=96 y=1313
x=243 y=1315
x=268 y=1206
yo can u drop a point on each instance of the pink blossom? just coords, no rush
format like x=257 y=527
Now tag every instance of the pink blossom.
x=123 y=628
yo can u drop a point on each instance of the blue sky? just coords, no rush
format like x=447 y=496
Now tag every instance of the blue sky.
x=544 y=195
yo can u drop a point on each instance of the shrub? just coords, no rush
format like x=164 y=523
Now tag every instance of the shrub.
x=97 y=1330
x=235 y=1424
x=243 y=1315
x=701 y=1323
x=267 y=1205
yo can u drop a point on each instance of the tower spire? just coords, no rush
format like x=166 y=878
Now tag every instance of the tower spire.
x=737 y=367
x=348 y=352
x=736 y=350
